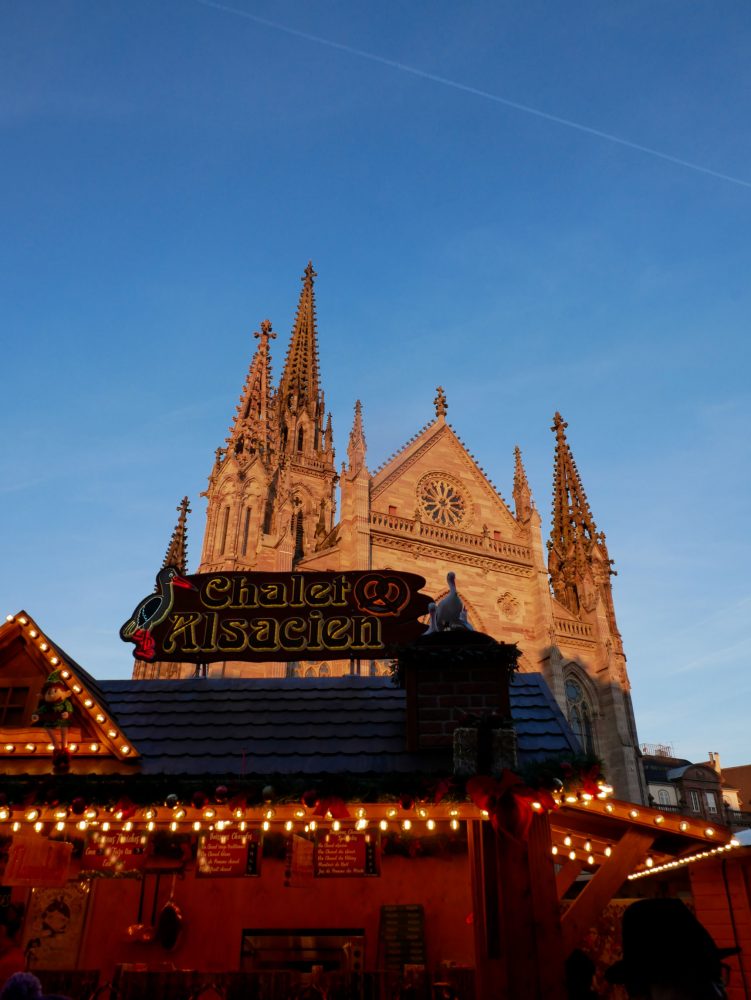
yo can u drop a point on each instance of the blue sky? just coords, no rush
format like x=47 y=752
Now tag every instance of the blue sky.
x=168 y=168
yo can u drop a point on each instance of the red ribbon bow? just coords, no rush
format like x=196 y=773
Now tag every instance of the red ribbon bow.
x=508 y=802
x=333 y=805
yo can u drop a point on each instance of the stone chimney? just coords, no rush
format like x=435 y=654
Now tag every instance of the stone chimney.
x=714 y=761
x=457 y=686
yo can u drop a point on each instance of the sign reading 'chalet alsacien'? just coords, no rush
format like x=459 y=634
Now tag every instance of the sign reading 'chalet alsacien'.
x=276 y=616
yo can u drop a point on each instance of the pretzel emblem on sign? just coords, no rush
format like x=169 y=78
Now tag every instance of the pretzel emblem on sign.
x=380 y=595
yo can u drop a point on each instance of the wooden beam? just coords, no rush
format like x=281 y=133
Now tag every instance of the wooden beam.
x=585 y=910
x=566 y=876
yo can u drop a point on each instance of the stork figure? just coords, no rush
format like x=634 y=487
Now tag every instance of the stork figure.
x=450 y=612
x=152 y=611
x=432 y=627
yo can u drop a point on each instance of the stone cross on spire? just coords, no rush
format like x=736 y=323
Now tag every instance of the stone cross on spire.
x=441 y=406
x=266 y=333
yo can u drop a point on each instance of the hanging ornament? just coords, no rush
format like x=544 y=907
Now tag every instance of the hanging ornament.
x=199 y=799
x=221 y=793
x=171 y=800
x=78 y=805
x=268 y=793
x=310 y=798
x=406 y=801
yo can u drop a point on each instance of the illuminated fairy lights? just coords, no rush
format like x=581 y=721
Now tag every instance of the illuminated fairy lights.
x=85 y=699
x=654 y=869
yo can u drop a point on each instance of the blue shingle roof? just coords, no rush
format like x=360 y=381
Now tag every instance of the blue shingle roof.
x=334 y=725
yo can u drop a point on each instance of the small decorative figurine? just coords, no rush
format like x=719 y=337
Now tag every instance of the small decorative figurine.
x=55 y=709
x=450 y=612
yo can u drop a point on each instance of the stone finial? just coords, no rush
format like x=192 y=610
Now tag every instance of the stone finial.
x=266 y=333
x=441 y=406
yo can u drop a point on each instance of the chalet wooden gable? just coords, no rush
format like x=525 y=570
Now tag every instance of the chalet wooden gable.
x=94 y=737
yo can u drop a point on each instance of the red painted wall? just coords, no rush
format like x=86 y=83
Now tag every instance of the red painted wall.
x=724 y=907
x=217 y=909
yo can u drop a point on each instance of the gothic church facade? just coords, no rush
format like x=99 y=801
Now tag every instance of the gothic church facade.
x=429 y=509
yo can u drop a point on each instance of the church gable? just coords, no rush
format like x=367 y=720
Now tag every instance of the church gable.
x=47 y=702
x=435 y=479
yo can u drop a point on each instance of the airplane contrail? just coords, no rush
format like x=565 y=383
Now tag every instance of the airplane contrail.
x=475 y=91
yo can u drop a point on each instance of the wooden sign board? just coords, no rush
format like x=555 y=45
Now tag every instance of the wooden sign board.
x=402 y=936
x=229 y=854
x=115 y=852
x=346 y=855
x=37 y=861
x=276 y=616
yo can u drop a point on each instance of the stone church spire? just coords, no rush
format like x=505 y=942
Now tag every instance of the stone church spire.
x=252 y=431
x=578 y=560
x=522 y=493
x=177 y=550
x=298 y=385
x=356 y=447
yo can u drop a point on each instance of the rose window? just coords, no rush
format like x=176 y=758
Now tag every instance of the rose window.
x=442 y=502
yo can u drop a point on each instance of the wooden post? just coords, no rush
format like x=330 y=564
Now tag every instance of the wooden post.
x=516 y=917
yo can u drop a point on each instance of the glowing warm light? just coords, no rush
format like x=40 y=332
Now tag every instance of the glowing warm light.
x=633 y=813
x=300 y=813
x=567 y=841
x=553 y=849
x=608 y=851
x=391 y=812
x=270 y=814
x=709 y=831
x=649 y=862
x=9 y=748
x=659 y=819
x=77 y=688
x=43 y=646
x=590 y=860
x=54 y=661
x=16 y=827
x=197 y=825
x=361 y=824
x=4 y=813
x=9 y=618
x=609 y=807
x=128 y=826
x=313 y=825
x=60 y=826
x=99 y=718
x=94 y=747
x=173 y=826
x=23 y=621
x=32 y=814
x=39 y=827
x=30 y=748
x=572 y=855
x=105 y=826
x=243 y=826
x=33 y=633
x=150 y=825
x=383 y=825
x=266 y=824
x=587 y=846
x=82 y=825
x=73 y=747
x=125 y=749
x=336 y=826
x=537 y=806
x=88 y=702
x=683 y=826
x=430 y=824
x=407 y=824
x=180 y=814
x=112 y=733
x=209 y=813
x=289 y=826
x=454 y=824
x=422 y=813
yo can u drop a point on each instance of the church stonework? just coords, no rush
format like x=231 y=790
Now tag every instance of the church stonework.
x=429 y=509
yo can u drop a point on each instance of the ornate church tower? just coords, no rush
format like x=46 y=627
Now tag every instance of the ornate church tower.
x=271 y=490
x=594 y=687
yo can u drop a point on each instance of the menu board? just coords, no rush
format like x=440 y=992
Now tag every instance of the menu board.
x=115 y=852
x=353 y=853
x=36 y=861
x=229 y=854
x=402 y=935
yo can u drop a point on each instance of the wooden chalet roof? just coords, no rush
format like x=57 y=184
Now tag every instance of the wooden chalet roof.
x=333 y=725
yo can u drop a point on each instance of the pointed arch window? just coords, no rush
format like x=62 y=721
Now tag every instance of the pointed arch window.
x=223 y=535
x=246 y=529
x=300 y=439
x=580 y=715
x=298 y=535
